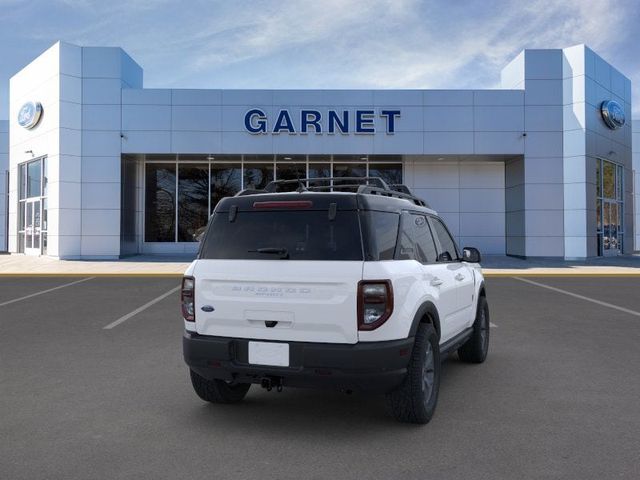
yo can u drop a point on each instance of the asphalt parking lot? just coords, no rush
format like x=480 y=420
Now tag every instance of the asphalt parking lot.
x=558 y=397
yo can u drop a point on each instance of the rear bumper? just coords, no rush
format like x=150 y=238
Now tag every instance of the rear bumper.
x=370 y=366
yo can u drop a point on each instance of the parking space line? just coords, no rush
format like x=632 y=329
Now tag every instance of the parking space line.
x=8 y=302
x=140 y=309
x=581 y=297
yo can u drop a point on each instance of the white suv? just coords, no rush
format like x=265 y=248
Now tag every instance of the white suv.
x=357 y=290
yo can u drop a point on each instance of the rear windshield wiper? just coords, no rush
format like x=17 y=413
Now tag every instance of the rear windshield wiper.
x=283 y=252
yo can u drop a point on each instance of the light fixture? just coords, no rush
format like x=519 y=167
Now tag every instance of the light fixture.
x=363 y=158
x=29 y=151
x=287 y=158
x=211 y=157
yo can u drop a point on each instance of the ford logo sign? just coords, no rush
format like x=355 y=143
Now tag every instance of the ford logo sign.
x=612 y=114
x=29 y=114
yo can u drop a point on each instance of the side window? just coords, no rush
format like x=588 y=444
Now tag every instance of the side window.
x=383 y=234
x=447 y=245
x=416 y=241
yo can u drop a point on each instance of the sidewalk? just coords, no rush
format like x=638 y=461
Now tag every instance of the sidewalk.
x=164 y=265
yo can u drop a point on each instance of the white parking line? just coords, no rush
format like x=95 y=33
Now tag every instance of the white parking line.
x=581 y=297
x=140 y=309
x=8 y=302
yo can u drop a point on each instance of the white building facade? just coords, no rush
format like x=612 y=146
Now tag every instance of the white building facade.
x=101 y=167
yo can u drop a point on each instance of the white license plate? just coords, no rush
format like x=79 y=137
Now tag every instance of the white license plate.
x=269 y=353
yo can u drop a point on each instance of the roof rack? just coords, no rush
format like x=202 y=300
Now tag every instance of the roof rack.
x=380 y=188
x=305 y=183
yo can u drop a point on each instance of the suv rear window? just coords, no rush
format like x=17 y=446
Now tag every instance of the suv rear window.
x=292 y=234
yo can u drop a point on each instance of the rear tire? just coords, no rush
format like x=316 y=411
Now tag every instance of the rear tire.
x=476 y=348
x=414 y=401
x=218 y=391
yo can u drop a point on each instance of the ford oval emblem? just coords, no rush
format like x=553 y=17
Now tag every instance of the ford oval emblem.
x=207 y=308
x=612 y=114
x=30 y=114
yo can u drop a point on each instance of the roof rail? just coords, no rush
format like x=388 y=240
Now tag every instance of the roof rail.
x=380 y=188
x=369 y=190
x=249 y=191
x=305 y=183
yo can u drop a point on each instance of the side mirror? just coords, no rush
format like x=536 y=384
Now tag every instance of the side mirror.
x=471 y=255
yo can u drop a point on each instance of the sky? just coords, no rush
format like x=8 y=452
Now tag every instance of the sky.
x=323 y=43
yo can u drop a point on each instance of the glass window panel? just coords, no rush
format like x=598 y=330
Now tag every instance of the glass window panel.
x=606 y=231
x=319 y=170
x=303 y=235
x=391 y=173
x=349 y=170
x=609 y=180
x=290 y=171
x=21 y=242
x=45 y=175
x=291 y=158
x=620 y=180
x=620 y=218
x=22 y=177
x=21 y=210
x=425 y=245
x=44 y=214
x=614 y=226
x=44 y=243
x=259 y=158
x=226 y=181
x=33 y=179
x=380 y=240
x=447 y=244
x=193 y=201
x=599 y=177
x=350 y=158
x=599 y=215
x=320 y=158
x=256 y=175
x=36 y=215
x=160 y=203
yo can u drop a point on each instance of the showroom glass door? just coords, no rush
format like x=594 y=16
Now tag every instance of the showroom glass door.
x=611 y=239
x=32 y=227
x=609 y=207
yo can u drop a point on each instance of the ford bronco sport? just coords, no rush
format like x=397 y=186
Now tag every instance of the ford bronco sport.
x=353 y=286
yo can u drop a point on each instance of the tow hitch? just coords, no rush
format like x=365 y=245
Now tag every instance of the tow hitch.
x=271 y=382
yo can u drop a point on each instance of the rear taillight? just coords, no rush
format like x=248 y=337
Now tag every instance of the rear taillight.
x=187 y=295
x=375 y=303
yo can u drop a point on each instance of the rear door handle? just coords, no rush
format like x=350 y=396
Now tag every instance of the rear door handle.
x=436 y=282
x=459 y=277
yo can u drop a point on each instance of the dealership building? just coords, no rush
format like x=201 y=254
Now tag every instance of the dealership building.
x=100 y=167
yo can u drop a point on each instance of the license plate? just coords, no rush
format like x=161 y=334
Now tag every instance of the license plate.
x=269 y=353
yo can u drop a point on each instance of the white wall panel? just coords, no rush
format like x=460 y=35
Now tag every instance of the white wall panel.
x=196 y=97
x=147 y=96
x=196 y=118
x=443 y=143
x=146 y=117
x=101 y=91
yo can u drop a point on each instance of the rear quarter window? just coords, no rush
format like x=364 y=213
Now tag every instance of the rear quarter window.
x=382 y=234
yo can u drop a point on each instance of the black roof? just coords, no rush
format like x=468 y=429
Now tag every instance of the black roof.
x=322 y=201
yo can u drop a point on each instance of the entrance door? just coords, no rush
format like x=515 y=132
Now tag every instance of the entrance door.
x=610 y=239
x=32 y=227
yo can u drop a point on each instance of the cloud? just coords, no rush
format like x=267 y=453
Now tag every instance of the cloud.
x=341 y=43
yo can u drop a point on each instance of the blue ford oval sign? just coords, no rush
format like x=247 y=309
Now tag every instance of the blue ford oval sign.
x=612 y=114
x=29 y=114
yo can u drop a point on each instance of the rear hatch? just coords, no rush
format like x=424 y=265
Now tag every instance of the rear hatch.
x=281 y=267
